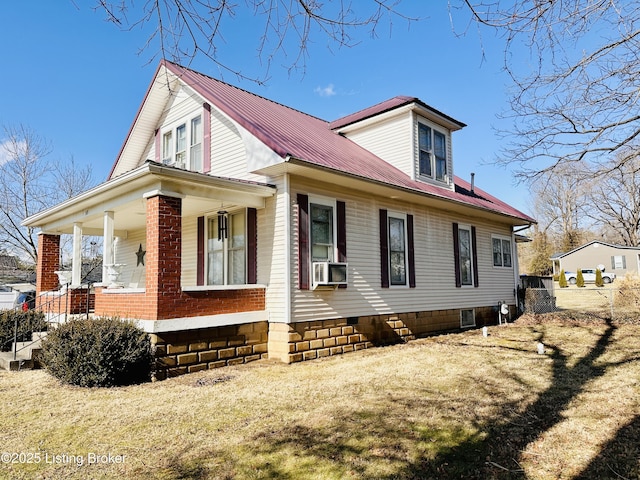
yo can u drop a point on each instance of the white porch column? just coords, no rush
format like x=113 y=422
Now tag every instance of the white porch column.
x=76 y=268
x=107 y=244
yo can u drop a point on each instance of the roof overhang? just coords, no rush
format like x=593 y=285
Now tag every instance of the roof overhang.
x=125 y=195
x=396 y=193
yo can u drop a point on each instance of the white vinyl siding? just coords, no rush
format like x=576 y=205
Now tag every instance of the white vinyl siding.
x=389 y=140
x=125 y=254
x=433 y=246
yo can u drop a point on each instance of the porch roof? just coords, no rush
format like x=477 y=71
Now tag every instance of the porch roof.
x=125 y=195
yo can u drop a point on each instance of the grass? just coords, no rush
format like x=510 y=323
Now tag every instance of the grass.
x=451 y=406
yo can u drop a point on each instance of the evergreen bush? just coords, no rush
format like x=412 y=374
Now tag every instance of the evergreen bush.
x=101 y=352
x=599 y=280
x=28 y=322
x=562 y=280
x=580 y=278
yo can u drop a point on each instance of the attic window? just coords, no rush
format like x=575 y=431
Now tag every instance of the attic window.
x=182 y=145
x=432 y=156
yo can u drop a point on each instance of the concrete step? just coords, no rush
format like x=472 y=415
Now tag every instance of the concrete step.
x=28 y=354
x=20 y=363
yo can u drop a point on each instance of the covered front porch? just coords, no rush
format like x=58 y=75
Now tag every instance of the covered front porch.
x=169 y=257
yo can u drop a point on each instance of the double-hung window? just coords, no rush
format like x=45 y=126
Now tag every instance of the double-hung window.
x=397 y=250
x=432 y=157
x=182 y=145
x=226 y=249
x=502 y=256
x=465 y=255
x=322 y=233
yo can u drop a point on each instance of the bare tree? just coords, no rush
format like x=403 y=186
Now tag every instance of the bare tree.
x=575 y=96
x=30 y=182
x=184 y=29
x=615 y=201
x=559 y=202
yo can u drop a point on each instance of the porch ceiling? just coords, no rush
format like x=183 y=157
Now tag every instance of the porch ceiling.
x=126 y=197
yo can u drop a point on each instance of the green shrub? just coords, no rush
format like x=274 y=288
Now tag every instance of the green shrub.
x=562 y=280
x=580 y=278
x=101 y=352
x=599 y=280
x=28 y=322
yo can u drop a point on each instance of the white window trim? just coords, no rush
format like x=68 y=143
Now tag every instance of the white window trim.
x=510 y=240
x=432 y=179
x=225 y=251
x=325 y=202
x=462 y=226
x=172 y=127
x=403 y=217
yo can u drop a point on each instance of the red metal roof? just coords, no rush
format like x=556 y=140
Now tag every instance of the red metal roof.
x=291 y=133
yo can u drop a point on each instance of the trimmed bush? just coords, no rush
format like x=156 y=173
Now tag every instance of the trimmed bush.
x=103 y=352
x=580 y=278
x=28 y=322
x=562 y=280
x=599 y=280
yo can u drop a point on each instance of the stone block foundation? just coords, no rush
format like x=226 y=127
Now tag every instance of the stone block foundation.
x=301 y=341
x=183 y=352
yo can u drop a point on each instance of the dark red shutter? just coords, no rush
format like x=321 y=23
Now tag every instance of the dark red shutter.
x=201 y=250
x=303 y=241
x=384 y=250
x=206 y=138
x=474 y=253
x=456 y=254
x=252 y=246
x=341 y=220
x=411 y=253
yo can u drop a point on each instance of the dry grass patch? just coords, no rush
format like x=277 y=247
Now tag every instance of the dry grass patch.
x=452 y=406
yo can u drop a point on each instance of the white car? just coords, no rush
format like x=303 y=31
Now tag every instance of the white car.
x=589 y=275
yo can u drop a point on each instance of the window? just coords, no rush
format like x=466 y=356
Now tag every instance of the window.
x=432 y=153
x=322 y=241
x=397 y=258
x=618 y=262
x=501 y=252
x=322 y=235
x=465 y=255
x=397 y=251
x=226 y=249
x=467 y=318
x=182 y=145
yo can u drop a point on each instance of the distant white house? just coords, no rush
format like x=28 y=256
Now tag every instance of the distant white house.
x=618 y=259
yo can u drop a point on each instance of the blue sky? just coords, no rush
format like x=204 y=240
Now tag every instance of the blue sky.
x=78 y=80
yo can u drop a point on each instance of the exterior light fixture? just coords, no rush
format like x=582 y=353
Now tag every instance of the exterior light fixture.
x=222 y=224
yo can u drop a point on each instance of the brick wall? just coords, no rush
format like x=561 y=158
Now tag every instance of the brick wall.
x=178 y=353
x=144 y=305
x=308 y=340
x=48 y=262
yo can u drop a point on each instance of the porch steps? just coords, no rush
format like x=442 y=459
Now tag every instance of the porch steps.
x=27 y=356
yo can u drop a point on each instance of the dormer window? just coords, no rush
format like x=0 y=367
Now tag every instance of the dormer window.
x=182 y=145
x=432 y=161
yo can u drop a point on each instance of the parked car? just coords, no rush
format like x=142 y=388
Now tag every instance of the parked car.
x=15 y=300
x=589 y=275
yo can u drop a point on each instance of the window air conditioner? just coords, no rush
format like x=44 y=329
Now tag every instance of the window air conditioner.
x=329 y=274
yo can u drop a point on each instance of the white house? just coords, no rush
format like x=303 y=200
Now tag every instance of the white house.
x=243 y=228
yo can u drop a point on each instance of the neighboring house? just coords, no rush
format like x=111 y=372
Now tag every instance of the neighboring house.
x=243 y=228
x=617 y=259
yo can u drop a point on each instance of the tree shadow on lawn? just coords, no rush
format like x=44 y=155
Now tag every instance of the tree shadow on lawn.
x=390 y=437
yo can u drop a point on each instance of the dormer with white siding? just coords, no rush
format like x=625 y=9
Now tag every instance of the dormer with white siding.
x=408 y=134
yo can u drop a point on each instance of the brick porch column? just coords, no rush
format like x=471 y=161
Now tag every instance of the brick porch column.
x=164 y=255
x=48 y=262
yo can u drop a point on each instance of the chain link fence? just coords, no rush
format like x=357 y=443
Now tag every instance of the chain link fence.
x=615 y=302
